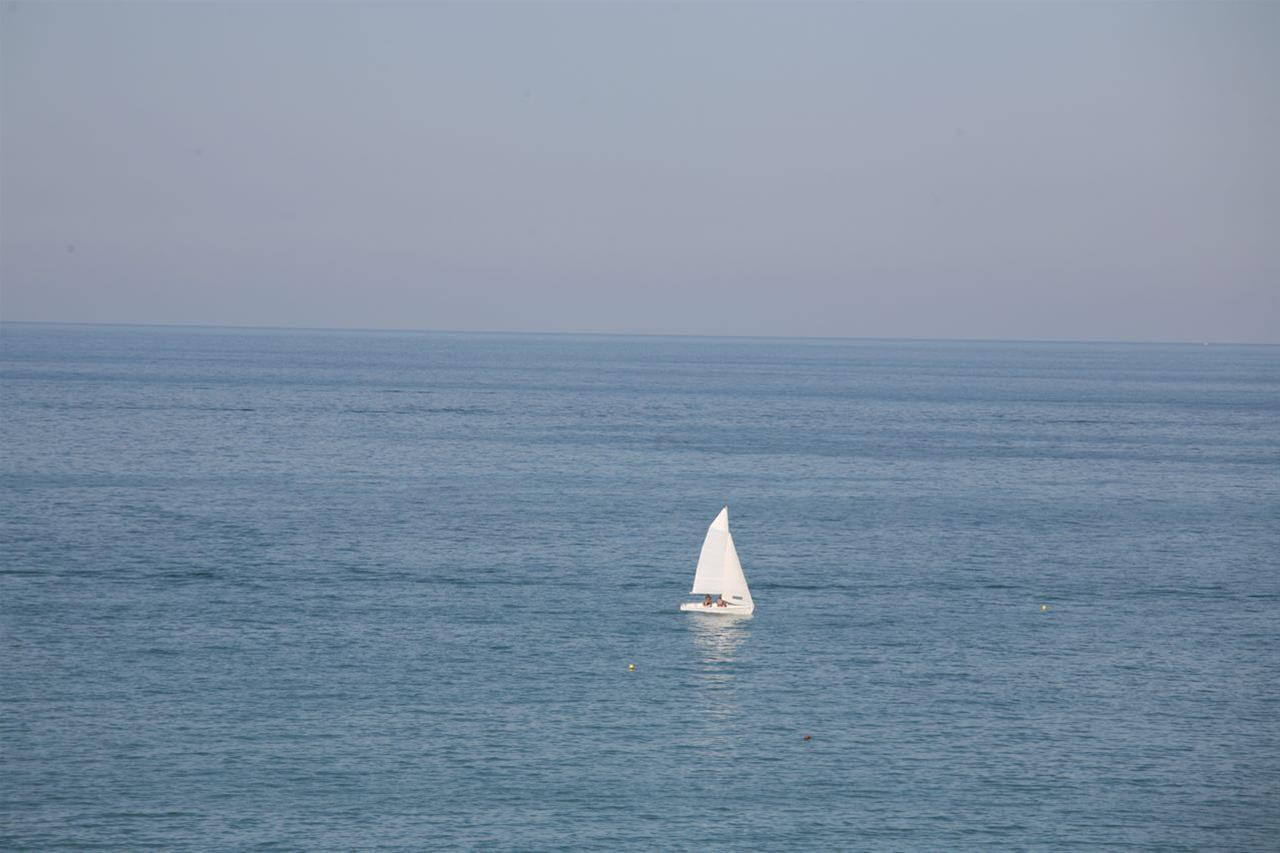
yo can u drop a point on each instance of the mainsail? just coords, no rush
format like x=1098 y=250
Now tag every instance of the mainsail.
x=735 y=582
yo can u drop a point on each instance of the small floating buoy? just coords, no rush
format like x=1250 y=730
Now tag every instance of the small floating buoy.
x=1043 y=608
x=631 y=667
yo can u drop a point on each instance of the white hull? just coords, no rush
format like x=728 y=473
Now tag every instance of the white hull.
x=728 y=610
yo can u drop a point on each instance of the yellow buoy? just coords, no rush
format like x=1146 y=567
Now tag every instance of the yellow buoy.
x=631 y=667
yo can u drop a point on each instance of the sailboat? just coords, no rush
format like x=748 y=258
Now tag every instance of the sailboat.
x=719 y=574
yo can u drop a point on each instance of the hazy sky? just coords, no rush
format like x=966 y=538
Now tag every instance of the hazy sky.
x=1070 y=171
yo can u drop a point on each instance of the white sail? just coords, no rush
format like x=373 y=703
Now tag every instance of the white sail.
x=719 y=572
x=708 y=578
x=734 y=584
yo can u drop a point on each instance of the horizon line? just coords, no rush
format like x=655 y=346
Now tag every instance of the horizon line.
x=617 y=334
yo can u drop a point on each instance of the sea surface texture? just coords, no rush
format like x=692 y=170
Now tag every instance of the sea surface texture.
x=329 y=590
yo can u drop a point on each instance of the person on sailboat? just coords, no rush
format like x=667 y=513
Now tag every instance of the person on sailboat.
x=706 y=602
x=720 y=602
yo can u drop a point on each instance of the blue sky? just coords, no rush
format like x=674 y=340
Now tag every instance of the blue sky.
x=1064 y=171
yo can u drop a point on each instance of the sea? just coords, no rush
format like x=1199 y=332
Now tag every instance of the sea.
x=329 y=590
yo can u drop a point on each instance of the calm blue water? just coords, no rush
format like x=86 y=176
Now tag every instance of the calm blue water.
x=344 y=589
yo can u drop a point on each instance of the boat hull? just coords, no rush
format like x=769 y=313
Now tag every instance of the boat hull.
x=730 y=610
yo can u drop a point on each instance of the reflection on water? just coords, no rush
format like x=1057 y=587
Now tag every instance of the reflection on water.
x=718 y=641
x=718 y=638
